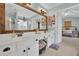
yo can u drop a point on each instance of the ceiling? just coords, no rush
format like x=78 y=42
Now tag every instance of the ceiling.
x=72 y=11
x=73 y=8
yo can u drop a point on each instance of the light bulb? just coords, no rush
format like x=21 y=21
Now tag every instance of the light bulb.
x=66 y=14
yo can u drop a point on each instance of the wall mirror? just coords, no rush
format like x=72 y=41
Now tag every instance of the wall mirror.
x=21 y=19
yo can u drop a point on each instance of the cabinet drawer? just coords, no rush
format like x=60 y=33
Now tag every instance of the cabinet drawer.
x=8 y=48
x=33 y=50
x=22 y=48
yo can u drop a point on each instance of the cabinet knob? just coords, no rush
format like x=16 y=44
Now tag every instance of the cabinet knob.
x=24 y=50
x=36 y=39
x=28 y=48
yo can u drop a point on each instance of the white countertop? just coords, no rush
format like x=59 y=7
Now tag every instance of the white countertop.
x=9 y=38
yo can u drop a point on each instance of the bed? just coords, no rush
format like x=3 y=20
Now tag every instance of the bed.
x=67 y=33
x=72 y=32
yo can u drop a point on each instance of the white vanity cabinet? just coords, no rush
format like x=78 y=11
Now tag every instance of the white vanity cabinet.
x=26 y=45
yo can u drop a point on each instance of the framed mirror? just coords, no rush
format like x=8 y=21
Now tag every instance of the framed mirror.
x=20 y=19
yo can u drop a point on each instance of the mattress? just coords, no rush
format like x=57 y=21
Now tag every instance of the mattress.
x=67 y=33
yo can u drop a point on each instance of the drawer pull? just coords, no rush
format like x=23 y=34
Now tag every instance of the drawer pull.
x=24 y=50
x=36 y=39
x=28 y=48
x=6 y=49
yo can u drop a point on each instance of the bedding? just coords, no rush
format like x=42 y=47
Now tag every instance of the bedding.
x=71 y=32
x=67 y=33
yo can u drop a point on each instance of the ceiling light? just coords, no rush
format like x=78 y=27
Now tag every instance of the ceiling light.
x=66 y=14
x=10 y=19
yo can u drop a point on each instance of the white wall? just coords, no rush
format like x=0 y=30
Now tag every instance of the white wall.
x=59 y=27
x=75 y=21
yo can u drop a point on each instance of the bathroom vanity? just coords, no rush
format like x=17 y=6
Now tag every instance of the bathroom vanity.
x=12 y=45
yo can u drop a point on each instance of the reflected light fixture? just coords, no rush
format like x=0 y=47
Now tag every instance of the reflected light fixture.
x=43 y=11
x=29 y=4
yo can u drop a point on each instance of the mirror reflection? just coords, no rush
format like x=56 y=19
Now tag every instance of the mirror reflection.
x=19 y=18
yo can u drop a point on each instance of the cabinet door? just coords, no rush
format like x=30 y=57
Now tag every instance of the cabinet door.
x=22 y=48
x=33 y=49
x=28 y=46
x=7 y=48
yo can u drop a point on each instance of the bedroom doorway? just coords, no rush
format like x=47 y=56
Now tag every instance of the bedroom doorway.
x=70 y=28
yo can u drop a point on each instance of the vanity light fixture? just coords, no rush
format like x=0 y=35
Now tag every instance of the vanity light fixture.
x=9 y=19
x=29 y=4
x=42 y=11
